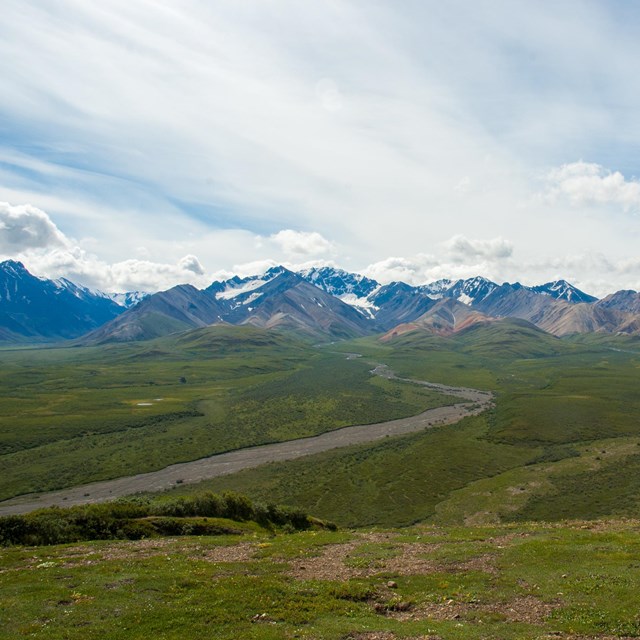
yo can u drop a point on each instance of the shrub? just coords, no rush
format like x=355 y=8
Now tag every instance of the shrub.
x=138 y=518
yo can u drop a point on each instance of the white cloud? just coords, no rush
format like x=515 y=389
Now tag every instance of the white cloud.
x=397 y=269
x=586 y=183
x=152 y=276
x=127 y=275
x=192 y=264
x=329 y=94
x=301 y=243
x=460 y=257
x=463 y=186
x=26 y=227
x=461 y=249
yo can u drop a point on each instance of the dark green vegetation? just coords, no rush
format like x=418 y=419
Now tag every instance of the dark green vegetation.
x=73 y=415
x=202 y=514
x=562 y=442
x=501 y=582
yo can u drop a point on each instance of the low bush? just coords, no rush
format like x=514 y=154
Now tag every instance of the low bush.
x=134 y=519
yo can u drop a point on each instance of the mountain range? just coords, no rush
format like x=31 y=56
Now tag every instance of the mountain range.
x=322 y=302
x=36 y=309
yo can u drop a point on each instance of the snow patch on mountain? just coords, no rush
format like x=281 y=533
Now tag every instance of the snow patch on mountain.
x=234 y=287
x=465 y=299
x=128 y=299
x=338 y=282
x=364 y=305
x=437 y=290
x=563 y=290
x=245 y=287
x=254 y=296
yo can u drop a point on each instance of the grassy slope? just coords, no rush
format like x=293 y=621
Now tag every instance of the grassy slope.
x=502 y=582
x=74 y=415
x=395 y=483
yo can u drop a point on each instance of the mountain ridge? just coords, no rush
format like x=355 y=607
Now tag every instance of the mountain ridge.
x=318 y=301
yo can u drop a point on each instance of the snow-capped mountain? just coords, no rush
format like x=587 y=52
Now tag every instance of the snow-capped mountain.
x=338 y=282
x=276 y=299
x=242 y=291
x=397 y=303
x=289 y=301
x=352 y=288
x=563 y=290
x=437 y=289
x=40 y=309
x=128 y=299
x=470 y=291
x=319 y=302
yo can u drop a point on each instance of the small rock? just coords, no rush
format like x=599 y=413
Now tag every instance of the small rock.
x=260 y=617
x=392 y=585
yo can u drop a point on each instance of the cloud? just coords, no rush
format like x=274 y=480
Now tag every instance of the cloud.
x=329 y=94
x=154 y=276
x=301 y=243
x=461 y=249
x=191 y=263
x=25 y=227
x=127 y=275
x=397 y=269
x=460 y=257
x=586 y=183
x=29 y=234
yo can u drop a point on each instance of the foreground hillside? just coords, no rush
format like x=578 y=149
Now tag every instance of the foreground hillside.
x=575 y=580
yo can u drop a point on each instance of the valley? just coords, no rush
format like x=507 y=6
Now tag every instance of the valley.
x=74 y=416
x=71 y=415
x=250 y=457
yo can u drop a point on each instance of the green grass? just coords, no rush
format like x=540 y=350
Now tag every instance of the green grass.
x=75 y=415
x=501 y=582
x=562 y=443
x=395 y=482
x=557 y=403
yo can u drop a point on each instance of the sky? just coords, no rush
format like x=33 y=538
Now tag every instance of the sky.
x=147 y=143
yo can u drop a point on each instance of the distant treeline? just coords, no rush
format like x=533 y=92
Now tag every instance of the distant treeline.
x=138 y=518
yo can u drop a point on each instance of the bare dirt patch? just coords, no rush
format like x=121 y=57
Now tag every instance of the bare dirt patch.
x=331 y=563
x=383 y=635
x=413 y=560
x=241 y=552
x=410 y=558
x=484 y=563
x=526 y=609
x=126 y=550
